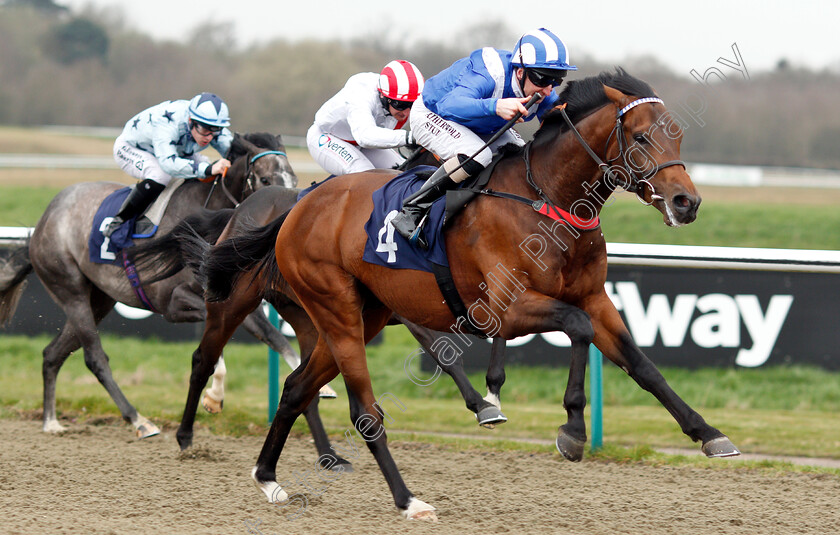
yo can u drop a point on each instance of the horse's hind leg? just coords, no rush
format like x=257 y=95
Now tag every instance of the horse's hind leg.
x=298 y=393
x=83 y=314
x=54 y=356
x=307 y=337
x=485 y=411
x=258 y=325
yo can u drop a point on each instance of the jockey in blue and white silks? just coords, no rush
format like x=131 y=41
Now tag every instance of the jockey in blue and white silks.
x=361 y=125
x=164 y=141
x=464 y=105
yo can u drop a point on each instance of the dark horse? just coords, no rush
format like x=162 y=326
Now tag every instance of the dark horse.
x=558 y=271
x=185 y=246
x=86 y=291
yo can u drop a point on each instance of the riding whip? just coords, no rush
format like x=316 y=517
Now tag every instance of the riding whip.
x=534 y=99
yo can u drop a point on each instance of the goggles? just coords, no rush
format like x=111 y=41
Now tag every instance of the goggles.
x=206 y=129
x=399 y=105
x=545 y=78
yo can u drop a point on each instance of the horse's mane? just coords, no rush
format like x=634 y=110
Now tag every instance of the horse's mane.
x=582 y=97
x=263 y=140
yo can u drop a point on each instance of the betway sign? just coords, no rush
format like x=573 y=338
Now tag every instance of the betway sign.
x=719 y=323
x=768 y=311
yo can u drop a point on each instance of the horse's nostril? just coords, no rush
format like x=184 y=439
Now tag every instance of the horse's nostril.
x=683 y=202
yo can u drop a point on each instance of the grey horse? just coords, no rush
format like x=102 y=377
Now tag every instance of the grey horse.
x=58 y=253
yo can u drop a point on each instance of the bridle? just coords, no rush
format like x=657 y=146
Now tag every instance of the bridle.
x=637 y=183
x=250 y=178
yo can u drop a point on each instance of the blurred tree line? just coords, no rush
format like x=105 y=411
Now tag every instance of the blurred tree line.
x=88 y=69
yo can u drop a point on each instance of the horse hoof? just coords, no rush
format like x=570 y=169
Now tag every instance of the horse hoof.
x=569 y=447
x=184 y=442
x=338 y=464
x=327 y=392
x=147 y=429
x=420 y=510
x=720 y=447
x=53 y=426
x=211 y=405
x=490 y=416
x=271 y=489
x=345 y=468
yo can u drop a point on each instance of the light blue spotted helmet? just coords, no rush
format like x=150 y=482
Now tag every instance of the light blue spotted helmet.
x=541 y=50
x=209 y=109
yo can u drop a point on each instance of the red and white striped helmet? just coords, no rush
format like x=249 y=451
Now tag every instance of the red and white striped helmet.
x=401 y=80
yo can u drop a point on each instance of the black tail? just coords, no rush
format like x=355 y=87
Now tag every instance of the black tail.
x=182 y=247
x=251 y=249
x=13 y=273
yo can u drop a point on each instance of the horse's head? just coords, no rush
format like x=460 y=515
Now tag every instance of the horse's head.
x=644 y=153
x=261 y=160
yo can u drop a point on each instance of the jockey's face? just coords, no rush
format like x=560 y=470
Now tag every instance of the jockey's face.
x=201 y=134
x=399 y=115
x=529 y=88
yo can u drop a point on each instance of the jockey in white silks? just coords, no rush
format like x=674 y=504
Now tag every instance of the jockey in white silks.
x=359 y=128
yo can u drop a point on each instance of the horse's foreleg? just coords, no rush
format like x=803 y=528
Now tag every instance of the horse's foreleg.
x=613 y=340
x=495 y=376
x=222 y=320
x=214 y=397
x=538 y=313
x=487 y=413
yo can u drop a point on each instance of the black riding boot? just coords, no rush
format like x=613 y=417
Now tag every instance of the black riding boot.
x=407 y=222
x=141 y=197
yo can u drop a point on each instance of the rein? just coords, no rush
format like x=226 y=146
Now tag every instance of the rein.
x=249 y=179
x=220 y=179
x=639 y=183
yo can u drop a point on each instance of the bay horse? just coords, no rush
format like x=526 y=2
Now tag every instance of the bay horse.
x=58 y=253
x=185 y=245
x=615 y=133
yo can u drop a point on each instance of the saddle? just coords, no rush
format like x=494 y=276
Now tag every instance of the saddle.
x=105 y=250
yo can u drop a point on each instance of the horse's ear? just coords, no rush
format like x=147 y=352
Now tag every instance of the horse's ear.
x=614 y=95
x=279 y=139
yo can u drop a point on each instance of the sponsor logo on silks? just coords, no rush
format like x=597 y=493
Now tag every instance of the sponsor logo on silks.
x=710 y=321
x=337 y=148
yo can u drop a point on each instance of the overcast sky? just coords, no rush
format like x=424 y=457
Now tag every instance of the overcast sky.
x=683 y=35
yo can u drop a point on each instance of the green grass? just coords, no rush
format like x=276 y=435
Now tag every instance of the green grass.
x=22 y=206
x=780 y=411
x=727 y=223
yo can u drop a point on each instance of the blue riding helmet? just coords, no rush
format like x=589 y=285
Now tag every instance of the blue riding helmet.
x=541 y=50
x=209 y=109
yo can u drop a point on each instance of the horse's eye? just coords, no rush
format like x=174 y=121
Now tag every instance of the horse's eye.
x=265 y=181
x=640 y=138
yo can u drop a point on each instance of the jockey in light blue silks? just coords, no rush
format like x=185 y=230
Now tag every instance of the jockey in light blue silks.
x=163 y=142
x=463 y=106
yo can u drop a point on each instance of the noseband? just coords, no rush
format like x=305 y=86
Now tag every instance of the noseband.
x=251 y=178
x=638 y=183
